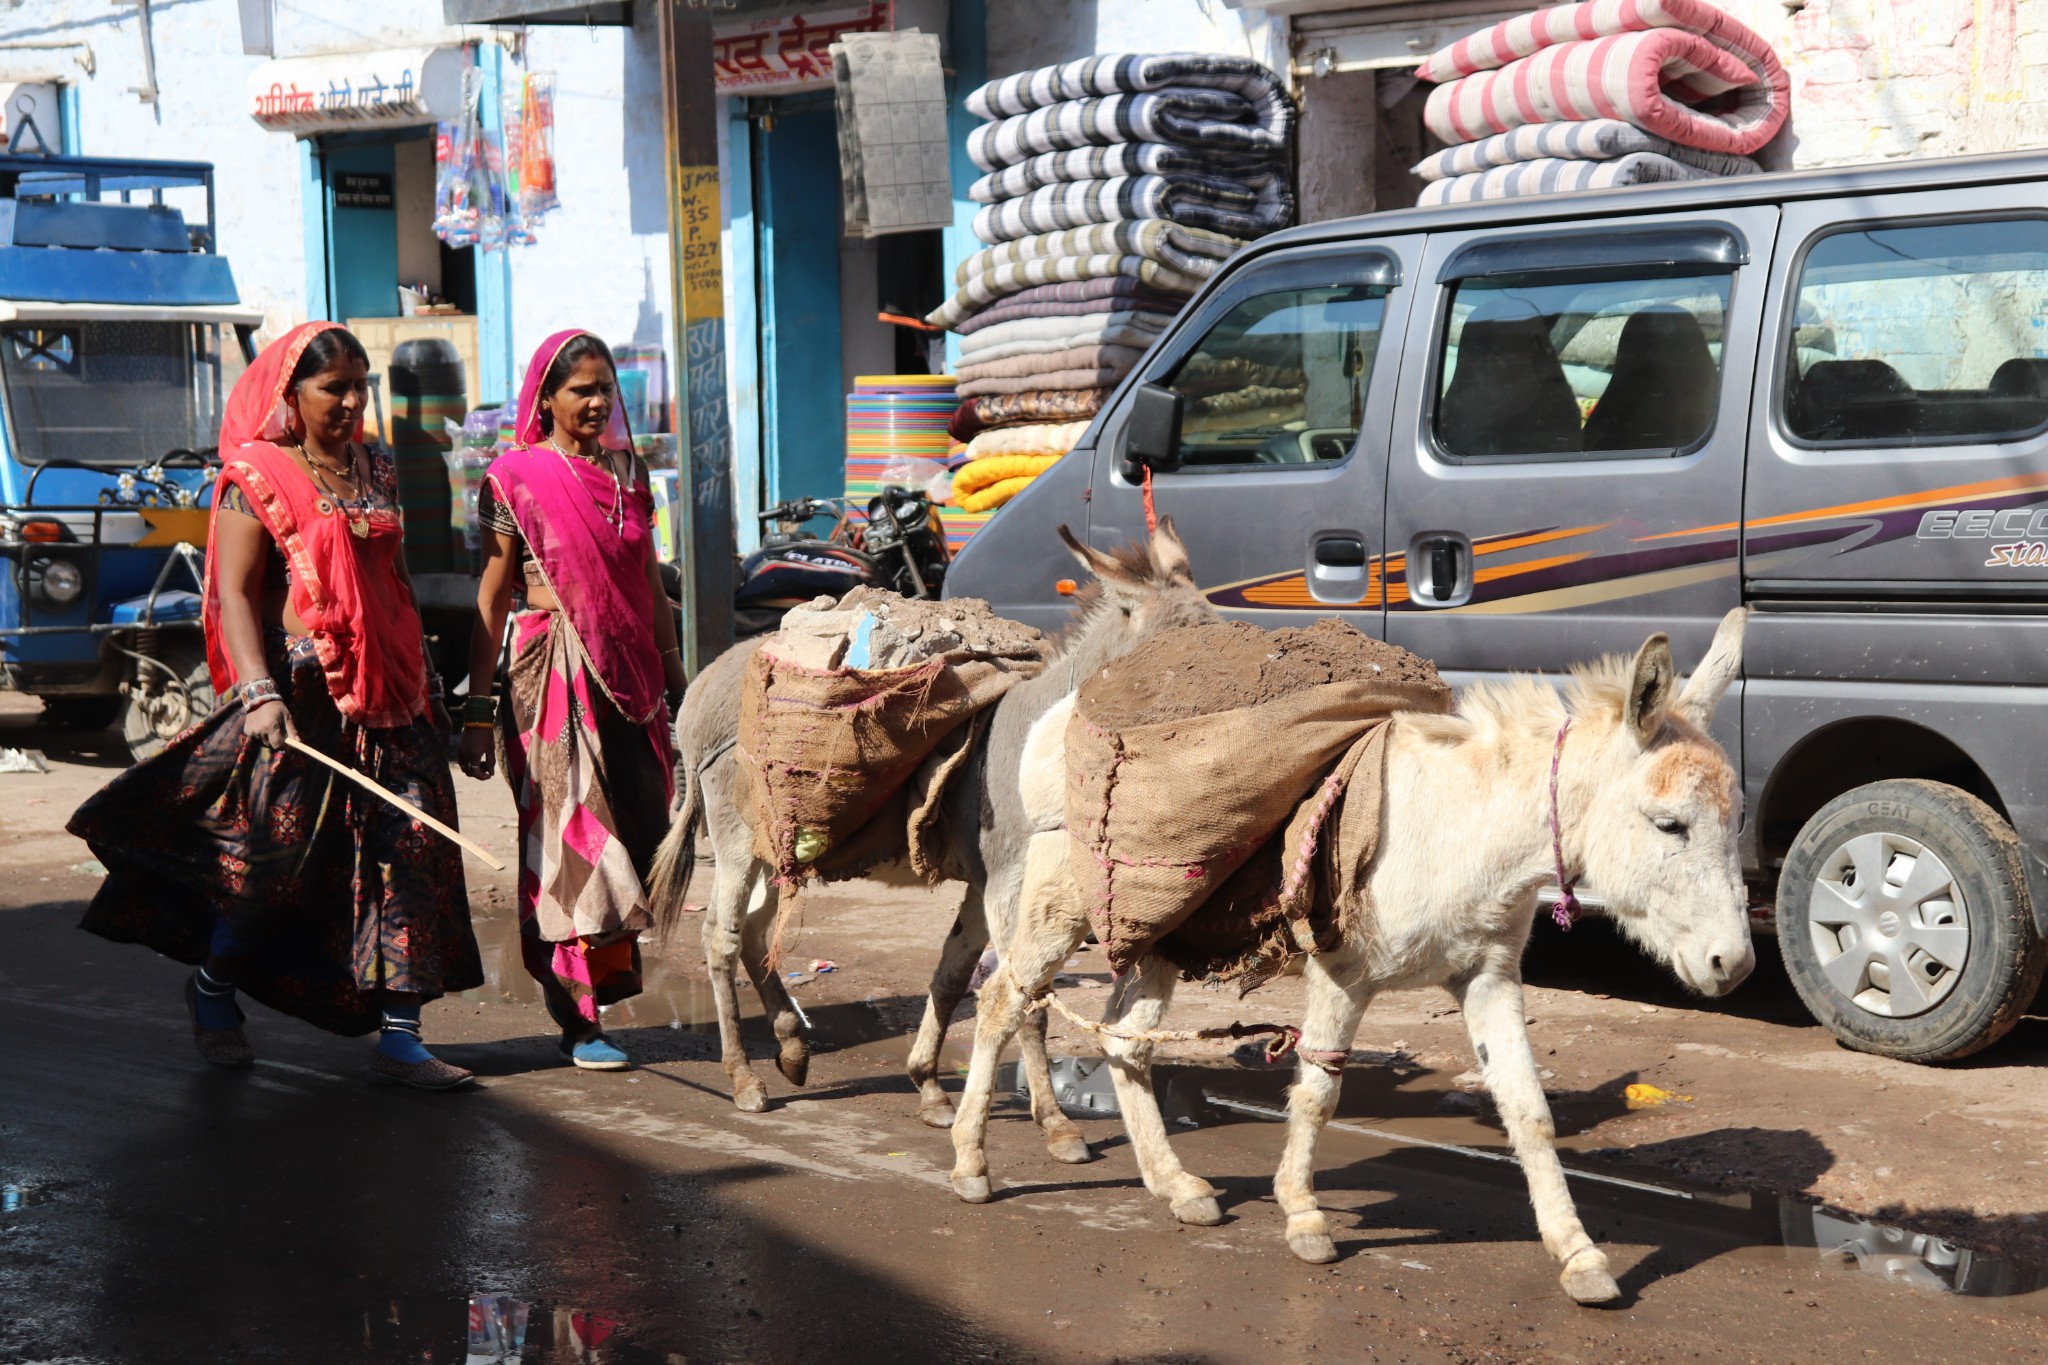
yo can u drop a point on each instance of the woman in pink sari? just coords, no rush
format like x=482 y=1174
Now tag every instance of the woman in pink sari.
x=569 y=531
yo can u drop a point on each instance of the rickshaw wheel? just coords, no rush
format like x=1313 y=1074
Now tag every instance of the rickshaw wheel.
x=159 y=709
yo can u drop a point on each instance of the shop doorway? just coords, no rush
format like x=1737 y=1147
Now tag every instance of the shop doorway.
x=817 y=299
x=389 y=279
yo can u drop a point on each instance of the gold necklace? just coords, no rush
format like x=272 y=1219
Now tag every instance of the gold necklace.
x=355 y=512
x=616 y=517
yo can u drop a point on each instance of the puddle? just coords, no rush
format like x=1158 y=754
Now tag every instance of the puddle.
x=504 y=1330
x=14 y=1197
x=1207 y=1096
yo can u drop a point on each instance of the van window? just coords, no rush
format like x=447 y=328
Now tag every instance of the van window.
x=1282 y=378
x=1581 y=363
x=1921 y=335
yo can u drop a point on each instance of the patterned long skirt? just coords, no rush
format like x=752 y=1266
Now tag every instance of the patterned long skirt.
x=337 y=896
x=592 y=788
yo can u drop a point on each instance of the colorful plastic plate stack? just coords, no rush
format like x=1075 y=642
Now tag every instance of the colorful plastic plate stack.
x=895 y=416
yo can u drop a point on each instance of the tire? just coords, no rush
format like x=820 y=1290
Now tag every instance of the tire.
x=90 y=712
x=158 y=708
x=1942 y=957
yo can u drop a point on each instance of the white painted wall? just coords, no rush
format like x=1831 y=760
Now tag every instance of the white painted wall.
x=199 y=116
x=602 y=258
x=1023 y=34
x=1877 y=80
x=602 y=261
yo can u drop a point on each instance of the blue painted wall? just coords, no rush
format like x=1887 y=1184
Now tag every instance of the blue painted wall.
x=495 y=345
x=362 y=243
x=743 y=323
x=797 y=209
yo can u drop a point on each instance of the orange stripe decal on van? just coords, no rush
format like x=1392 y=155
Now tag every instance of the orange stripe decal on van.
x=1963 y=492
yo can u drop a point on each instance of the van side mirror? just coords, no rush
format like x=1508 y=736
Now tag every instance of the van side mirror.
x=1152 y=430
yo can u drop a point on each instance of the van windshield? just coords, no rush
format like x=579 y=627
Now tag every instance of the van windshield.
x=116 y=393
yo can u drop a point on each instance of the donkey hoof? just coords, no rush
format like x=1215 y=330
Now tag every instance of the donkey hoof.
x=937 y=1114
x=1069 y=1148
x=1587 y=1280
x=749 y=1097
x=1314 y=1247
x=972 y=1188
x=1201 y=1211
x=793 y=1063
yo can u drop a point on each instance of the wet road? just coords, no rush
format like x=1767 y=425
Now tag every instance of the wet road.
x=293 y=1214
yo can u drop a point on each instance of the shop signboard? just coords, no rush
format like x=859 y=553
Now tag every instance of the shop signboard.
x=793 y=53
x=388 y=88
x=362 y=190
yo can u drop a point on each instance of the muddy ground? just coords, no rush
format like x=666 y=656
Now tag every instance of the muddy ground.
x=292 y=1214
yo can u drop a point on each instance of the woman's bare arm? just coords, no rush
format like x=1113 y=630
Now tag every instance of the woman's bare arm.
x=478 y=751
x=241 y=549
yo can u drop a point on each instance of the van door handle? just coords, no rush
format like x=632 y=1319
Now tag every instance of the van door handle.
x=1337 y=569
x=1440 y=569
x=1341 y=552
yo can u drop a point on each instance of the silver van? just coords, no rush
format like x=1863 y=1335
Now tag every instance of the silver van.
x=1512 y=435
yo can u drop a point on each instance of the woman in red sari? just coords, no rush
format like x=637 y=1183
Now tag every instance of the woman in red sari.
x=569 y=530
x=270 y=873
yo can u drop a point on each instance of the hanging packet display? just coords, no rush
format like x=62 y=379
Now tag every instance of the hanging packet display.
x=537 y=147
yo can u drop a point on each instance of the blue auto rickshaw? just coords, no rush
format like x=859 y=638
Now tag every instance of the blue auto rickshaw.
x=121 y=335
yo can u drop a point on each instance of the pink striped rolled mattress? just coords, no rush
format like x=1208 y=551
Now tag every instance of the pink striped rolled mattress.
x=1680 y=69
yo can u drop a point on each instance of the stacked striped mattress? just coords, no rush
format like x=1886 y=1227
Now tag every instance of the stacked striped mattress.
x=1599 y=94
x=1113 y=187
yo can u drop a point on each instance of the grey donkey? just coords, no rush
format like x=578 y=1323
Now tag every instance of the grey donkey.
x=1138 y=590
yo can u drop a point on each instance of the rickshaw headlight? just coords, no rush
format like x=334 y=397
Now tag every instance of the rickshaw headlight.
x=58 y=581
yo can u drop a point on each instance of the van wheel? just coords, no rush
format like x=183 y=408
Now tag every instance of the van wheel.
x=1905 y=922
x=167 y=698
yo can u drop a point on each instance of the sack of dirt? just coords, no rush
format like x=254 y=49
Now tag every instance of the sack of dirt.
x=849 y=702
x=1208 y=764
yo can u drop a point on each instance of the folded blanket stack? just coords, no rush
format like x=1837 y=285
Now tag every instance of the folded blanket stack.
x=1115 y=185
x=1608 y=92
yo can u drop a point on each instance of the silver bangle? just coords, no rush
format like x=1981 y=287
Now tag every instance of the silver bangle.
x=256 y=691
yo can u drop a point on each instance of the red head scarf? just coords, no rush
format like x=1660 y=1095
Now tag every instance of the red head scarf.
x=256 y=410
x=345 y=587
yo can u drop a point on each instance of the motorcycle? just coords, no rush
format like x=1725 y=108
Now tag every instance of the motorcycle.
x=900 y=545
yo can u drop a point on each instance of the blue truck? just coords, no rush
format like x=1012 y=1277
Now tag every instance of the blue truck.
x=121 y=335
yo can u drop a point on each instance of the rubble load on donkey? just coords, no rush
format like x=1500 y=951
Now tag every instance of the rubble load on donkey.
x=1194 y=834
x=855 y=716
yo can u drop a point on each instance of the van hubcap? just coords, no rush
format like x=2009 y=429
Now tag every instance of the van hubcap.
x=1889 y=925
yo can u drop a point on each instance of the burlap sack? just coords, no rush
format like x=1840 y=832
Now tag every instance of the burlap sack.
x=827 y=753
x=1163 y=816
x=1289 y=897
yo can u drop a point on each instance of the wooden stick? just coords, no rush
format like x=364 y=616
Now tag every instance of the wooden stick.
x=395 y=799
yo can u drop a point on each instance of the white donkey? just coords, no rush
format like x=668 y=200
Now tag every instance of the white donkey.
x=1644 y=812
x=1137 y=591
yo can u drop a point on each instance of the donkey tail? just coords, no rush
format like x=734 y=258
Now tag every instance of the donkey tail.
x=669 y=879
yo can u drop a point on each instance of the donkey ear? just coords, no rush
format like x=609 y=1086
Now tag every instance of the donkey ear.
x=1104 y=567
x=1722 y=666
x=1170 y=555
x=1651 y=683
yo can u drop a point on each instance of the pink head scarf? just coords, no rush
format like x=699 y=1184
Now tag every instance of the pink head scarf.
x=596 y=570
x=528 y=429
